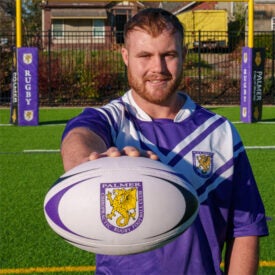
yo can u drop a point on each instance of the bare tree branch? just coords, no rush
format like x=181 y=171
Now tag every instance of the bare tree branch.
x=8 y=6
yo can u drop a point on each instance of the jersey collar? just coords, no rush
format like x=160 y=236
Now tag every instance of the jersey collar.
x=187 y=109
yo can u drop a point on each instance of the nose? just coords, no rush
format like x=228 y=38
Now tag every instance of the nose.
x=159 y=64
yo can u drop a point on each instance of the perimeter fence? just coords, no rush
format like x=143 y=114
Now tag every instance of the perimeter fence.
x=83 y=69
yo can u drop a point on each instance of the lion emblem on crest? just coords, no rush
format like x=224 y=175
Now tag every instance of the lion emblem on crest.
x=123 y=202
x=203 y=163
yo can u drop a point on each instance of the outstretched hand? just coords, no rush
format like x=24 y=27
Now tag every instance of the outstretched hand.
x=126 y=151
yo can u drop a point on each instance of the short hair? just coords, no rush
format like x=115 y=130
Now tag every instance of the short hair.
x=154 y=21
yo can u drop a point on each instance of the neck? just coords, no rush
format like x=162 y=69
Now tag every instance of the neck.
x=158 y=111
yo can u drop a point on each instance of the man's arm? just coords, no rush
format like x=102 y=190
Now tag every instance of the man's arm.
x=242 y=256
x=82 y=145
x=78 y=145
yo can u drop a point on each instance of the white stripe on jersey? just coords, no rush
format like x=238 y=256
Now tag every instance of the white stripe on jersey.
x=129 y=131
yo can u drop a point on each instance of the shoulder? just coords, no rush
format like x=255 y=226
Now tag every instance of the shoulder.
x=116 y=107
x=217 y=124
x=205 y=116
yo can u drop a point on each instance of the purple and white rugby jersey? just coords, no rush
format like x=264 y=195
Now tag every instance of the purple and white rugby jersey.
x=206 y=149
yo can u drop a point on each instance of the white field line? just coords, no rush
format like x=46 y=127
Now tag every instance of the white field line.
x=47 y=125
x=42 y=151
x=272 y=147
x=63 y=124
x=259 y=122
x=47 y=151
x=268 y=147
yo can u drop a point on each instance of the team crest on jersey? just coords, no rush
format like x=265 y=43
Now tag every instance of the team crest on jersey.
x=121 y=206
x=203 y=163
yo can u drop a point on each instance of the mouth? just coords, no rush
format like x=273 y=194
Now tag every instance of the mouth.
x=158 y=81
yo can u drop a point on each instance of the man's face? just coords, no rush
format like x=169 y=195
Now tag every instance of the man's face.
x=154 y=65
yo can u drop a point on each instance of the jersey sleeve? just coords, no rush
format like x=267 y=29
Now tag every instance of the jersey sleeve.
x=247 y=206
x=94 y=120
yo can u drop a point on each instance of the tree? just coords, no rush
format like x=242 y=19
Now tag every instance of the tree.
x=240 y=15
x=7 y=21
x=31 y=13
x=8 y=6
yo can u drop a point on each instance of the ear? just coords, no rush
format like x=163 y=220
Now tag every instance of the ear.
x=124 y=53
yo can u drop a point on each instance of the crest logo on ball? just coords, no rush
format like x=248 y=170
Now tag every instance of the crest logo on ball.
x=121 y=205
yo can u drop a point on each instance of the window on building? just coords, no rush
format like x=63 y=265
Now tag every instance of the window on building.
x=119 y=20
x=98 y=32
x=78 y=25
x=260 y=14
x=79 y=30
x=57 y=28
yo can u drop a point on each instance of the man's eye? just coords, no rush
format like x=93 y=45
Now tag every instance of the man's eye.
x=171 y=55
x=144 y=56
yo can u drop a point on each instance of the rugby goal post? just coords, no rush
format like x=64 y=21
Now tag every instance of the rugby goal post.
x=24 y=94
x=252 y=70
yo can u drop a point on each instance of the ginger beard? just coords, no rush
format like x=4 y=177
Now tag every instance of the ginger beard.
x=156 y=89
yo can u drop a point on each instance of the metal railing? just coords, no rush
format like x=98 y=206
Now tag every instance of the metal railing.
x=81 y=68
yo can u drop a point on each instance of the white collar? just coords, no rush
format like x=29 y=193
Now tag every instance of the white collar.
x=187 y=109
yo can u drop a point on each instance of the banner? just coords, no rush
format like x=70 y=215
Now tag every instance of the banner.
x=252 y=84
x=14 y=92
x=27 y=75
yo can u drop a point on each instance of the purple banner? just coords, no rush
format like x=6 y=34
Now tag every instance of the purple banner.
x=246 y=85
x=14 y=91
x=258 y=63
x=252 y=84
x=27 y=68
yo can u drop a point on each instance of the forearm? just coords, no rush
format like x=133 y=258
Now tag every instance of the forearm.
x=242 y=256
x=78 y=145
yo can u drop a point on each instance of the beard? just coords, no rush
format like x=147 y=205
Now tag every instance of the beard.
x=156 y=95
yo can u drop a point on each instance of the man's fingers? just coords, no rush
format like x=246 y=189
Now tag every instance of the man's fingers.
x=133 y=152
x=130 y=151
x=151 y=155
x=113 y=152
x=93 y=156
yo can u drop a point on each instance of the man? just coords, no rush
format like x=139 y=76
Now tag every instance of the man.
x=155 y=120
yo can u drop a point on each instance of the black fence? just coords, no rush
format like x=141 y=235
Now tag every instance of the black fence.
x=87 y=69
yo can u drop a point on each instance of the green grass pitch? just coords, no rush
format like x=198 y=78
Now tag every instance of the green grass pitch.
x=28 y=245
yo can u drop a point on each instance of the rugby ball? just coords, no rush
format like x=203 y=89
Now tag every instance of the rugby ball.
x=120 y=206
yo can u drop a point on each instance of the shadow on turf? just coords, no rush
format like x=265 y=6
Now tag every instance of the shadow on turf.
x=53 y=122
x=268 y=120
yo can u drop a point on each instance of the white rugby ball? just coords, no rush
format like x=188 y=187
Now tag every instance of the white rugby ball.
x=120 y=206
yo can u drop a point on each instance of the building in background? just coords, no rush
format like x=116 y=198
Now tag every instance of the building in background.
x=264 y=15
